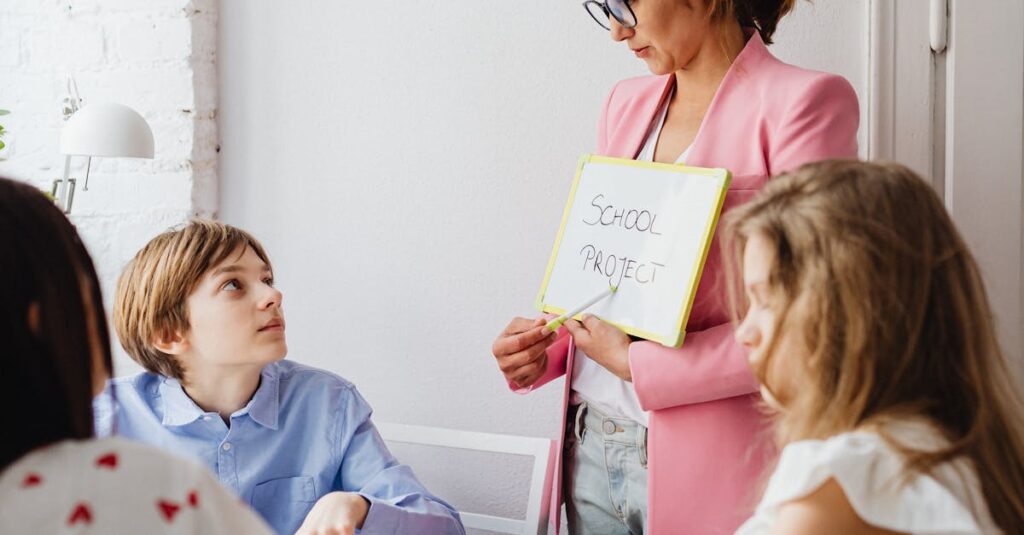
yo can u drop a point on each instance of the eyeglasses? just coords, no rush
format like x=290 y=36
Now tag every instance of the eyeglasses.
x=603 y=12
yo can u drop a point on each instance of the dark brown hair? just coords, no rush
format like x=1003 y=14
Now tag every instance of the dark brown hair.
x=872 y=278
x=762 y=15
x=46 y=374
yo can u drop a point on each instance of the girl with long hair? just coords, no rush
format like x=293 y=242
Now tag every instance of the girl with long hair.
x=870 y=332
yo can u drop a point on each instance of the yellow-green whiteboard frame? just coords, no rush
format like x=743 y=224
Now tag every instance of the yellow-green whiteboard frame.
x=723 y=177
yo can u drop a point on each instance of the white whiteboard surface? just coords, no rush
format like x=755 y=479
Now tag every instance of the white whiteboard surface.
x=644 y=227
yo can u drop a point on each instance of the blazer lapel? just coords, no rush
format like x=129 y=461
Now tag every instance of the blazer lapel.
x=753 y=52
x=636 y=120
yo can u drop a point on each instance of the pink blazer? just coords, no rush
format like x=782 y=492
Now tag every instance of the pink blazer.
x=707 y=442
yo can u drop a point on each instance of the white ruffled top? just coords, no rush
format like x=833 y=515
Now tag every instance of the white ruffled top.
x=870 y=472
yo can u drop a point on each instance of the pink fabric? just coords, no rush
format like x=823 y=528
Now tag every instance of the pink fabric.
x=707 y=441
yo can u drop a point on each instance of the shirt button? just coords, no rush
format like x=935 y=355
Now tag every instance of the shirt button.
x=206 y=418
x=608 y=427
x=226 y=446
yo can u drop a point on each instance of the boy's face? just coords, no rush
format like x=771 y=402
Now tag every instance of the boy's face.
x=235 y=315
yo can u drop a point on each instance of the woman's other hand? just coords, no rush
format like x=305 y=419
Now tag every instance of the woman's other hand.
x=603 y=342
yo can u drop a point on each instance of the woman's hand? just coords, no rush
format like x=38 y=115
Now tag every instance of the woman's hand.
x=521 y=351
x=336 y=513
x=604 y=343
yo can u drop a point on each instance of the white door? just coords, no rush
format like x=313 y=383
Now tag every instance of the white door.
x=946 y=97
x=984 y=107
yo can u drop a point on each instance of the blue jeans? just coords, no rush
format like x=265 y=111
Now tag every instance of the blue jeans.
x=605 y=478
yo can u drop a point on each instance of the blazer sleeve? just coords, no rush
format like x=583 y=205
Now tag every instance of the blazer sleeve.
x=820 y=123
x=711 y=365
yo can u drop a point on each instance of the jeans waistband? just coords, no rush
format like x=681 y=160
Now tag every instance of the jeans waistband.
x=610 y=428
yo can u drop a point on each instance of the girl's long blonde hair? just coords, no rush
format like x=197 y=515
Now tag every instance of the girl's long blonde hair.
x=874 y=280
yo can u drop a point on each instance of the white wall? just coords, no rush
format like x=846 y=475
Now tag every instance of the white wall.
x=406 y=164
x=155 y=56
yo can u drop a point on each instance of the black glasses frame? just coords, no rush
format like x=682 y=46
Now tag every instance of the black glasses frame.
x=610 y=14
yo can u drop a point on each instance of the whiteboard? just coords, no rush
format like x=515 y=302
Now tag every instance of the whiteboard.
x=644 y=227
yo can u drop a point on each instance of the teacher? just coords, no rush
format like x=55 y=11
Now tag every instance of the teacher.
x=670 y=440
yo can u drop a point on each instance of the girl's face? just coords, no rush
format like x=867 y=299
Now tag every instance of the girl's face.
x=758 y=329
x=668 y=34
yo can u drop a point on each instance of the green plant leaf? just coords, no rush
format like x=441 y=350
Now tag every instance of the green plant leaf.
x=4 y=112
x=2 y=145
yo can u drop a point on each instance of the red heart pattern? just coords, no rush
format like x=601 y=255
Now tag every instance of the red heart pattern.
x=108 y=460
x=31 y=480
x=81 y=513
x=168 y=509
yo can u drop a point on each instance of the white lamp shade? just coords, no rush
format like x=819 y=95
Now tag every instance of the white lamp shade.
x=109 y=130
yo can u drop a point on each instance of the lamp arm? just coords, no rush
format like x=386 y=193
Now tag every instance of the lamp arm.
x=64 y=188
x=88 y=166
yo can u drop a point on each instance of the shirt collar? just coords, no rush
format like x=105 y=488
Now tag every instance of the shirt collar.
x=179 y=409
x=263 y=408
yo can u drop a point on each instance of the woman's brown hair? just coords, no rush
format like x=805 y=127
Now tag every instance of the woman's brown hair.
x=873 y=279
x=763 y=15
x=47 y=368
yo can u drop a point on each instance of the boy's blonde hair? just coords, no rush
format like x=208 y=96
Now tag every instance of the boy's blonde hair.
x=872 y=277
x=152 y=290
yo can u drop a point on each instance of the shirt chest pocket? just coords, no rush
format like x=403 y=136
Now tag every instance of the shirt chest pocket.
x=284 y=502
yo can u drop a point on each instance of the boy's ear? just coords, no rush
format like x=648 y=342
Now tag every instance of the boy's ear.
x=171 y=342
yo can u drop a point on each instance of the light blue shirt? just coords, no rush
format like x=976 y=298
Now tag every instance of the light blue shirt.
x=305 y=433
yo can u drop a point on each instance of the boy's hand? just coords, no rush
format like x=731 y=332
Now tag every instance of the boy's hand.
x=337 y=513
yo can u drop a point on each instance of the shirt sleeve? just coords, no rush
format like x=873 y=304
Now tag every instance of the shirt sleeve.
x=875 y=482
x=103 y=409
x=399 y=503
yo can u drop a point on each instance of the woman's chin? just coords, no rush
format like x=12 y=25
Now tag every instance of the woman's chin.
x=657 y=68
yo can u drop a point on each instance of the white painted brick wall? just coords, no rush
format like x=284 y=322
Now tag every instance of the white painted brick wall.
x=157 y=56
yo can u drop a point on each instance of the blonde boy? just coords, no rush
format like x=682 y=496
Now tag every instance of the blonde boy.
x=197 y=308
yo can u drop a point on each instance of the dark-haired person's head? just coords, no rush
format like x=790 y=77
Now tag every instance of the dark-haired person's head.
x=673 y=35
x=56 y=350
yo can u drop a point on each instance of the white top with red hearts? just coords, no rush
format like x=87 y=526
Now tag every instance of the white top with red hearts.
x=113 y=486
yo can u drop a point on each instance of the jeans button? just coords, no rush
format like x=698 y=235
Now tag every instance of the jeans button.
x=608 y=427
